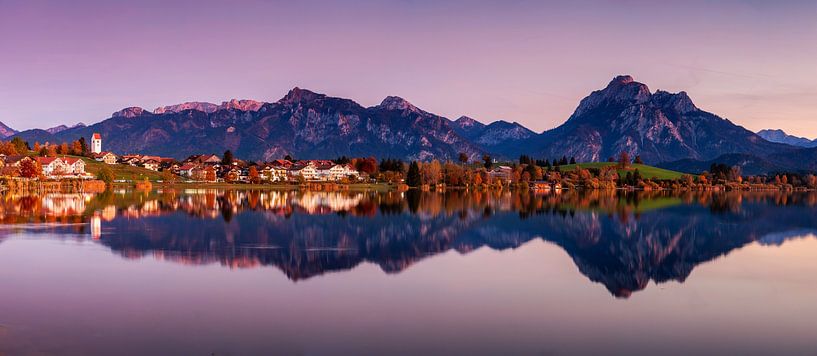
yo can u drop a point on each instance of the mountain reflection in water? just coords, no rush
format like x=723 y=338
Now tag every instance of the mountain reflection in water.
x=621 y=240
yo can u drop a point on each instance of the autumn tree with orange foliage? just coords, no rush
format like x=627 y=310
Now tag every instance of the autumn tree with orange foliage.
x=253 y=175
x=7 y=148
x=30 y=168
x=209 y=174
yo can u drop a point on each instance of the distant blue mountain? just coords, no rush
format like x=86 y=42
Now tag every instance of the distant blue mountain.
x=781 y=136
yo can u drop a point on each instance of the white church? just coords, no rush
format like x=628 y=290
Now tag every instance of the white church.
x=96 y=143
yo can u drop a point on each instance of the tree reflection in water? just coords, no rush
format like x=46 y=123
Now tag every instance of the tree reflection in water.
x=622 y=240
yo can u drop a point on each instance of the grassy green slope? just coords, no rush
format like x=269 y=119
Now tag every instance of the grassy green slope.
x=122 y=171
x=645 y=170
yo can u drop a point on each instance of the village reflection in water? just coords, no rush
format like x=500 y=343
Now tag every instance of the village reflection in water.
x=622 y=240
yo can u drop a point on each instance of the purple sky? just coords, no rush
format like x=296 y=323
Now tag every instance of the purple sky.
x=753 y=62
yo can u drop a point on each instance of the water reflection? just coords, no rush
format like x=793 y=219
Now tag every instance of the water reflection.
x=621 y=240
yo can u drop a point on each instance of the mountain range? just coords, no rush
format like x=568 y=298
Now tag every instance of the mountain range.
x=624 y=116
x=781 y=136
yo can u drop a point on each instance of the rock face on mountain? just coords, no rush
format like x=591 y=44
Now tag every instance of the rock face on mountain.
x=130 y=112
x=626 y=117
x=781 y=136
x=193 y=105
x=303 y=124
x=6 y=131
x=243 y=105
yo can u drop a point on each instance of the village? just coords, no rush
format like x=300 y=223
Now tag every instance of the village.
x=196 y=168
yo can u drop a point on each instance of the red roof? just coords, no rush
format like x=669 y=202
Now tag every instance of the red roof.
x=46 y=160
x=97 y=136
x=281 y=163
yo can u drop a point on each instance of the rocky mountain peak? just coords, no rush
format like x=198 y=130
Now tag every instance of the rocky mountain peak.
x=243 y=105
x=679 y=102
x=298 y=95
x=622 y=79
x=130 y=112
x=623 y=90
x=467 y=122
x=397 y=103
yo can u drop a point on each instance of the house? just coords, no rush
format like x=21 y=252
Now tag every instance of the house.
x=281 y=163
x=305 y=169
x=321 y=170
x=62 y=167
x=204 y=173
x=173 y=167
x=106 y=157
x=154 y=158
x=15 y=160
x=52 y=166
x=132 y=160
x=203 y=159
x=235 y=175
x=272 y=173
x=168 y=163
x=75 y=166
x=187 y=170
x=151 y=164
x=341 y=171
x=503 y=173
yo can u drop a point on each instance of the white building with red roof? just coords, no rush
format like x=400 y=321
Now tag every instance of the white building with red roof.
x=96 y=143
x=62 y=167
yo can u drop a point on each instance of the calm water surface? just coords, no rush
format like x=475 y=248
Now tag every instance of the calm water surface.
x=186 y=272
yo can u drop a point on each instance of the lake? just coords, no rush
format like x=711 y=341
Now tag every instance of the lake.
x=237 y=272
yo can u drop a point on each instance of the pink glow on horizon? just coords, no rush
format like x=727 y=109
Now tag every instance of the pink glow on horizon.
x=525 y=61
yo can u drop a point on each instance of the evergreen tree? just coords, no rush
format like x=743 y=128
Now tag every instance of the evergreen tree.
x=84 y=146
x=413 y=178
x=572 y=160
x=487 y=161
x=228 y=158
x=20 y=145
x=463 y=158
